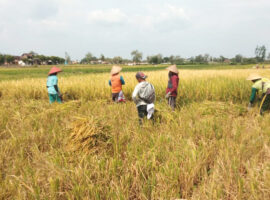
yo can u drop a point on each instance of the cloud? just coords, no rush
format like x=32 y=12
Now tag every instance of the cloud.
x=27 y=9
x=110 y=16
x=162 y=19
x=119 y=26
x=174 y=12
x=156 y=18
x=43 y=9
x=248 y=3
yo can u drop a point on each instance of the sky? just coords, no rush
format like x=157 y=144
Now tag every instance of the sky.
x=117 y=27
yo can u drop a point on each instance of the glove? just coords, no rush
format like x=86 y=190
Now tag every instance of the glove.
x=168 y=95
x=249 y=106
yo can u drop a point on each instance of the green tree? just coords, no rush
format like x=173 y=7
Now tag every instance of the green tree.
x=238 y=58
x=221 y=59
x=249 y=60
x=102 y=57
x=199 y=59
x=206 y=58
x=56 y=60
x=33 y=53
x=9 y=58
x=202 y=59
x=172 y=58
x=166 y=59
x=88 y=58
x=155 y=59
x=260 y=53
x=2 y=59
x=177 y=60
x=117 y=60
x=136 y=56
x=191 y=60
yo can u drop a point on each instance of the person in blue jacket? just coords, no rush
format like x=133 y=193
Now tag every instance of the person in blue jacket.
x=52 y=86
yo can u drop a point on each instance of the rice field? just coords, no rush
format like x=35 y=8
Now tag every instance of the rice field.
x=211 y=147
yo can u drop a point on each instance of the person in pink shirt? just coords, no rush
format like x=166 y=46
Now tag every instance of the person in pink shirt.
x=171 y=91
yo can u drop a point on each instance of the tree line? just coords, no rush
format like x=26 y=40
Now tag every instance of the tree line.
x=33 y=58
x=137 y=57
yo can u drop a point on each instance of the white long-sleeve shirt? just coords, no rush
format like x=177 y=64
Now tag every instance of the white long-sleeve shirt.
x=135 y=94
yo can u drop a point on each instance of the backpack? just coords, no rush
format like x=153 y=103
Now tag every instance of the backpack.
x=147 y=93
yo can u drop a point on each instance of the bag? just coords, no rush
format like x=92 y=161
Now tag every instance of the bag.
x=121 y=97
x=147 y=93
x=150 y=110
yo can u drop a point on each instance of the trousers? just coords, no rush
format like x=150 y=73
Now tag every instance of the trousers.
x=172 y=102
x=54 y=97
x=265 y=105
x=142 y=113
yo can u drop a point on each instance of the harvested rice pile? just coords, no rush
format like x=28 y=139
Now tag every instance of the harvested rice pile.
x=89 y=135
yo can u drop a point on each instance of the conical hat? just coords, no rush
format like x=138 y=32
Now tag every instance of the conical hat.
x=115 y=70
x=55 y=70
x=254 y=77
x=173 y=69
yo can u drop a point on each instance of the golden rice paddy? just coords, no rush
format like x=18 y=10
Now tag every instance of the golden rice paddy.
x=211 y=147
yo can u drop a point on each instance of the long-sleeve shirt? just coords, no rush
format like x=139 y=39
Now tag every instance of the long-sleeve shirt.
x=259 y=86
x=52 y=82
x=122 y=81
x=253 y=95
x=173 y=85
x=135 y=95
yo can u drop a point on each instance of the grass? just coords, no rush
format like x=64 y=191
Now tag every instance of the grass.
x=91 y=148
x=41 y=71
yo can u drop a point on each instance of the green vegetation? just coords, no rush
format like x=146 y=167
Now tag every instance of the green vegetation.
x=42 y=71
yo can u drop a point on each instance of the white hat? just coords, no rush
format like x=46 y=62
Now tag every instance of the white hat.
x=253 y=77
x=173 y=69
x=116 y=69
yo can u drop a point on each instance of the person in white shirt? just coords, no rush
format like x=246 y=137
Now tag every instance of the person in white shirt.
x=144 y=107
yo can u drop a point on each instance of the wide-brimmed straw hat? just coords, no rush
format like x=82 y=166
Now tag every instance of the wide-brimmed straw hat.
x=173 y=69
x=116 y=69
x=253 y=77
x=54 y=70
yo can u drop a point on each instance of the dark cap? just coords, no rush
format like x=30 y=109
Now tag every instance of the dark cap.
x=141 y=75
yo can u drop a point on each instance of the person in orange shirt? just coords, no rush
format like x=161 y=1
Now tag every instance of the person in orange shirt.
x=116 y=83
